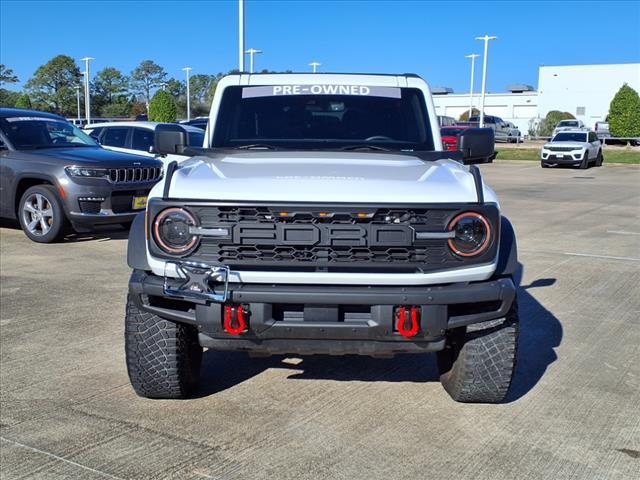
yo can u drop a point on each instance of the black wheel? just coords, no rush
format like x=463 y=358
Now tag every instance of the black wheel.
x=585 y=162
x=599 y=159
x=41 y=215
x=478 y=362
x=163 y=357
x=544 y=165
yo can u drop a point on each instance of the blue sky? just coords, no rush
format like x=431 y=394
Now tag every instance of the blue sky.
x=424 y=37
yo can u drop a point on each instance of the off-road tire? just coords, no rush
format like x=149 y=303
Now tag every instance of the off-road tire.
x=544 y=165
x=163 y=357
x=478 y=363
x=59 y=225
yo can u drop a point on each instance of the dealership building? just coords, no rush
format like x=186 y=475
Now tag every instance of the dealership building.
x=585 y=91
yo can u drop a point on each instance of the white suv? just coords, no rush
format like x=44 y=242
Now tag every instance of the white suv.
x=323 y=216
x=572 y=147
x=572 y=124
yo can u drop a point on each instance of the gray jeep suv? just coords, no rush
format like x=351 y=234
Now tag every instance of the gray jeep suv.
x=54 y=176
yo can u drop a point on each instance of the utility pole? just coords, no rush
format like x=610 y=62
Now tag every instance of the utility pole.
x=87 y=94
x=241 y=35
x=473 y=57
x=252 y=52
x=314 y=66
x=485 y=39
x=187 y=70
x=78 y=100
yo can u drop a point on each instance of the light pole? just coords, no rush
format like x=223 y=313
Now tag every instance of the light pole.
x=87 y=95
x=241 y=35
x=486 y=39
x=78 y=100
x=252 y=52
x=314 y=66
x=473 y=57
x=186 y=71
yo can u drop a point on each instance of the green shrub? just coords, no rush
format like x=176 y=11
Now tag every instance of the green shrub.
x=23 y=101
x=546 y=126
x=624 y=113
x=162 y=108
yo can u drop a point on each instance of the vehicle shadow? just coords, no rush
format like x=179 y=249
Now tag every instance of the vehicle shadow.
x=540 y=334
x=100 y=234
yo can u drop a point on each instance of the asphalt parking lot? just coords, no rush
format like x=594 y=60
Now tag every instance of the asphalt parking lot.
x=67 y=410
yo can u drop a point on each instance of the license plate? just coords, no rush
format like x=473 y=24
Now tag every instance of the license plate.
x=559 y=155
x=139 y=203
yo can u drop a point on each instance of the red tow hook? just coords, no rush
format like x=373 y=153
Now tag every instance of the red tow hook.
x=234 y=315
x=414 y=325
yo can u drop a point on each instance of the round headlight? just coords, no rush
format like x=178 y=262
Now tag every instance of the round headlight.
x=472 y=234
x=171 y=231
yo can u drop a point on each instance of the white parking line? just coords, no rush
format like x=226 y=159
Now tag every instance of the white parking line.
x=61 y=459
x=622 y=232
x=606 y=257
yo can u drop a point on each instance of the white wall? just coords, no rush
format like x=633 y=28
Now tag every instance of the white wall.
x=568 y=87
x=517 y=108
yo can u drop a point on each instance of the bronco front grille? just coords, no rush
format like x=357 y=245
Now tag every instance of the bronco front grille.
x=327 y=237
x=135 y=174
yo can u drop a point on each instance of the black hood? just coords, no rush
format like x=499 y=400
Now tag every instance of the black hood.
x=90 y=156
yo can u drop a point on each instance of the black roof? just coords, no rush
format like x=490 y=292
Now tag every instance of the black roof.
x=21 y=112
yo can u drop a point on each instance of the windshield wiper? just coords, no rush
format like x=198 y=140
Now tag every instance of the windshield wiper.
x=366 y=147
x=256 y=146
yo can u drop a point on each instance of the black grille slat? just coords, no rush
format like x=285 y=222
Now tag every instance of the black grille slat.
x=134 y=174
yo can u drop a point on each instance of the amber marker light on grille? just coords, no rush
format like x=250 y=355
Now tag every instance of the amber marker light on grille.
x=473 y=234
x=323 y=214
x=284 y=214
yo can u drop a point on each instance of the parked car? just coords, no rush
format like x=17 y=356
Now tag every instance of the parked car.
x=53 y=176
x=449 y=136
x=513 y=133
x=572 y=147
x=323 y=216
x=602 y=130
x=137 y=137
x=200 y=122
x=573 y=124
x=445 y=121
x=499 y=126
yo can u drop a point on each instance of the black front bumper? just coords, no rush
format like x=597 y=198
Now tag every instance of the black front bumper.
x=344 y=319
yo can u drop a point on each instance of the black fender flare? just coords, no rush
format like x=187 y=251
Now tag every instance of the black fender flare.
x=137 y=246
x=508 y=252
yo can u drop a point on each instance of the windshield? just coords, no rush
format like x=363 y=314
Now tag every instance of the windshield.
x=30 y=133
x=451 y=132
x=568 y=123
x=323 y=117
x=570 y=137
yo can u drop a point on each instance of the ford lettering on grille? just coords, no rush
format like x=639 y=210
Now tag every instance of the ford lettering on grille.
x=323 y=235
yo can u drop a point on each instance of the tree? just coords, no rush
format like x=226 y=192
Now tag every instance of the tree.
x=162 y=107
x=147 y=76
x=6 y=75
x=465 y=115
x=199 y=87
x=8 y=98
x=53 y=85
x=23 y=101
x=624 y=113
x=110 y=84
x=545 y=127
x=121 y=107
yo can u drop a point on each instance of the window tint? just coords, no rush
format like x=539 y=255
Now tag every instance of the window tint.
x=568 y=123
x=95 y=133
x=570 y=137
x=115 y=137
x=26 y=133
x=142 y=139
x=196 y=139
x=323 y=120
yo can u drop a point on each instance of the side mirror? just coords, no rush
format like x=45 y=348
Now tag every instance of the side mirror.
x=170 y=139
x=477 y=145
